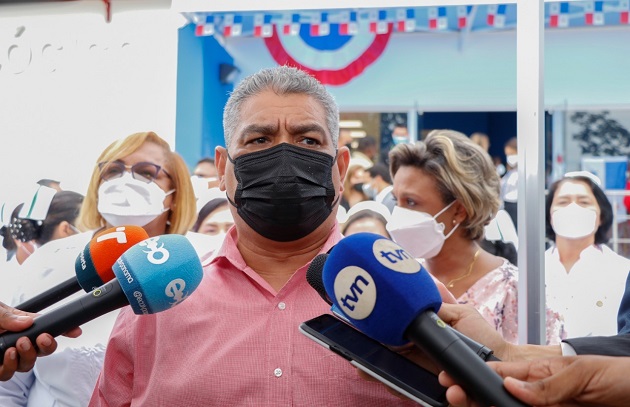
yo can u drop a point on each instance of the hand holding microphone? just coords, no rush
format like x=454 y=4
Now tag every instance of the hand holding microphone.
x=152 y=276
x=385 y=293
x=23 y=357
x=93 y=266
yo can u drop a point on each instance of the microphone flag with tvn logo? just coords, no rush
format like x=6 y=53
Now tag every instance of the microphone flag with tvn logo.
x=366 y=272
x=385 y=293
x=143 y=273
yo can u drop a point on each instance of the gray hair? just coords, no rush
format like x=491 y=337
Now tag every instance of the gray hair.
x=282 y=80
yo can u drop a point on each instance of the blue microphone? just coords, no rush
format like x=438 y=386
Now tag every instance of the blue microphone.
x=315 y=280
x=153 y=275
x=384 y=292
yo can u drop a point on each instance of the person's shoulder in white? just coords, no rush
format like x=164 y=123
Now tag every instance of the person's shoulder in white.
x=49 y=265
x=502 y=228
x=614 y=256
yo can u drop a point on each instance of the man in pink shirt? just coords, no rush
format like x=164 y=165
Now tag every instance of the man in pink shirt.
x=235 y=341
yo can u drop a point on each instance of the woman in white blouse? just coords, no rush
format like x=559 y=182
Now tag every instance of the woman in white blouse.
x=585 y=279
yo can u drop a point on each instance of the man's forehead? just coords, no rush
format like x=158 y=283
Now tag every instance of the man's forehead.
x=282 y=110
x=268 y=99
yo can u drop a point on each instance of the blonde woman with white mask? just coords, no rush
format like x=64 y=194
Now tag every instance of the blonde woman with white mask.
x=585 y=279
x=447 y=191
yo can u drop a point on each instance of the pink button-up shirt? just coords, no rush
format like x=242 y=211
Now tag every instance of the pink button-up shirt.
x=233 y=342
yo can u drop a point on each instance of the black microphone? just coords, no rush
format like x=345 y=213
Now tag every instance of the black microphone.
x=50 y=296
x=152 y=276
x=93 y=266
x=384 y=292
x=314 y=278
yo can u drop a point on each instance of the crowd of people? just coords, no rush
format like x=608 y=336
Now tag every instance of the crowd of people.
x=282 y=190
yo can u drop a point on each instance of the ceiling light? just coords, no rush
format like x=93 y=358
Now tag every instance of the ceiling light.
x=358 y=134
x=350 y=124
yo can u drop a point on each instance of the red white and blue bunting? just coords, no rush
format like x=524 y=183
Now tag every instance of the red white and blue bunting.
x=334 y=59
x=405 y=20
x=337 y=45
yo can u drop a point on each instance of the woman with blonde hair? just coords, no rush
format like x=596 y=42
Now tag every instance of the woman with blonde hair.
x=141 y=160
x=447 y=191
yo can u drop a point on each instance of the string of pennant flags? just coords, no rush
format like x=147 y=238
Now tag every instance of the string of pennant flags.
x=405 y=20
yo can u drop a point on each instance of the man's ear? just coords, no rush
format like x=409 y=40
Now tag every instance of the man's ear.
x=343 y=159
x=220 y=160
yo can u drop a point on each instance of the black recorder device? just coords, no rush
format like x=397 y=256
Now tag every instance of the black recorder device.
x=377 y=360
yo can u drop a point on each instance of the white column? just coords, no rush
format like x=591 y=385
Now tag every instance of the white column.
x=530 y=128
x=412 y=124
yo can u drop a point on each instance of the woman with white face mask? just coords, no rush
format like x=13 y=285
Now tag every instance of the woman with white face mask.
x=214 y=219
x=447 y=190
x=585 y=279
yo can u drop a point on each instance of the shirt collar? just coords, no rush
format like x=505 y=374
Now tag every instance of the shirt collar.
x=229 y=251
x=589 y=252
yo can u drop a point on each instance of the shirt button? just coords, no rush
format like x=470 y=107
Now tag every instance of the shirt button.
x=277 y=372
x=282 y=305
x=599 y=304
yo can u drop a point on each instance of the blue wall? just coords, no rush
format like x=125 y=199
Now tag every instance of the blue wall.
x=499 y=126
x=200 y=95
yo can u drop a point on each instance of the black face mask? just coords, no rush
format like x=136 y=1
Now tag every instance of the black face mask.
x=358 y=187
x=284 y=192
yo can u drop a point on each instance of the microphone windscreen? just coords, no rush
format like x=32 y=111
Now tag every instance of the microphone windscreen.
x=378 y=286
x=93 y=266
x=158 y=273
x=314 y=276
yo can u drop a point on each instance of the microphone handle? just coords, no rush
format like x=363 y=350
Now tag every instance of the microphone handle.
x=50 y=296
x=482 y=351
x=448 y=350
x=100 y=301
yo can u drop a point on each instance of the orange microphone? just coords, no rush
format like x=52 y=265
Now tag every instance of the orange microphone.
x=93 y=266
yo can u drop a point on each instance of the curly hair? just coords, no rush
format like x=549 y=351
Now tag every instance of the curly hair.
x=463 y=171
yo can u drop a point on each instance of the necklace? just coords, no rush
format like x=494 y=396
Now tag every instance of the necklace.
x=451 y=283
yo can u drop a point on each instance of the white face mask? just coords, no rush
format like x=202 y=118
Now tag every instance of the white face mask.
x=574 y=221
x=215 y=241
x=128 y=201
x=418 y=232
x=511 y=160
x=400 y=139
x=200 y=184
x=370 y=191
